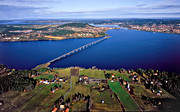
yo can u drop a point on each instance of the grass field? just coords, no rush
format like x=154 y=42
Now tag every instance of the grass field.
x=110 y=103
x=124 y=97
x=62 y=72
x=79 y=107
x=38 y=95
x=93 y=73
x=117 y=74
x=45 y=76
x=55 y=37
x=47 y=104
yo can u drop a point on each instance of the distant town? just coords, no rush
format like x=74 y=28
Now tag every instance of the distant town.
x=157 y=28
x=147 y=25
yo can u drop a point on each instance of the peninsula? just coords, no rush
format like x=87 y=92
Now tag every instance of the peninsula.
x=50 y=32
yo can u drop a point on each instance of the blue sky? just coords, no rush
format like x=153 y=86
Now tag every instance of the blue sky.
x=56 y=9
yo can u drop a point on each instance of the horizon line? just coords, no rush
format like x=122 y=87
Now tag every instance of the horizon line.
x=87 y=18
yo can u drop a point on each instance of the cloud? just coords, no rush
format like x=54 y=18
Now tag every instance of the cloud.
x=8 y=12
x=31 y=3
x=161 y=7
x=141 y=5
x=166 y=7
x=9 y=8
x=160 y=13
x=66 y=8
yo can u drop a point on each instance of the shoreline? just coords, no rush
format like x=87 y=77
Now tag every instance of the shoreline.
x=53 y=39
x=92 y=67
x=121 y=27
x=50 y=39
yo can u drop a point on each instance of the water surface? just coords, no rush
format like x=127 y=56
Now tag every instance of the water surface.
x=125 y=49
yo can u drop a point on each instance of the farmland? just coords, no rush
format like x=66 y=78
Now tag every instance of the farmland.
x=79 y=89
x=124 y=97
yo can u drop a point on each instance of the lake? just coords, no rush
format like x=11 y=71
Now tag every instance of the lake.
x=125 y=49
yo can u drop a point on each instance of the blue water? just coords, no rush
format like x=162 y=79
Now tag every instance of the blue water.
x=125 y=49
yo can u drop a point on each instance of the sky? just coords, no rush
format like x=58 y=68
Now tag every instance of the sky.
x=57 y=9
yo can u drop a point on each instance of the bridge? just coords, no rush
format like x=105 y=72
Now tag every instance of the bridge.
x=71 y=53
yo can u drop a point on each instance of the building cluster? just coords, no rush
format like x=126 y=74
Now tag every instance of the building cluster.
x=88 y=32
x=154 y=84
x=83 y=79
x=153 y=101
x=125 y=84
x=4 y=70
x=63 y=105
x=56 y=82
x=157 y=28
x=2 y=35
x=20 y=35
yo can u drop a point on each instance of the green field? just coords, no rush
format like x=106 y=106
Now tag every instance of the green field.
x=124 y=97
x=62 y=32
x=47 y=77
x=78 y=25
x=93 y=73
x=110 y=102
x=62 y=72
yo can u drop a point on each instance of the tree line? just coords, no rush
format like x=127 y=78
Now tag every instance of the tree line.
x=18 y=81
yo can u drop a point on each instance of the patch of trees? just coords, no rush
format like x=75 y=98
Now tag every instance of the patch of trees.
x=79 y=25
x=153 y=101
x=4 y=69
x=74 y=99
x=40 y=29
x=18 y=81
x=102 y=33
x=62 y=32
x=107 y=75
x=43 y=70
x=168 y=81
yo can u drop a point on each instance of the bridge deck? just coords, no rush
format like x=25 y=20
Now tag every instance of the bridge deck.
x=77 y=50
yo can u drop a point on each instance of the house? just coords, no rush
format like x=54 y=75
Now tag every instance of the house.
x=61 y=79
x=62 y=106
x=54 y=109
x=155 y=74
x=91 y=80
x=129 y=71
x=83 y=79
x=102 y=101
x=124 y=82
x=44 y=82
x=32 y=76
x=1 y=103
x=134 y=78
x=67 y=110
